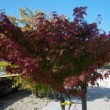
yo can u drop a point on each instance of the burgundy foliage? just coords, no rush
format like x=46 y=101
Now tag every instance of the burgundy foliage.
x=57 y=52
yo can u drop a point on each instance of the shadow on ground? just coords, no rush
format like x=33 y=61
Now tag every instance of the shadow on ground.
x=9 y=100
x=98 y=93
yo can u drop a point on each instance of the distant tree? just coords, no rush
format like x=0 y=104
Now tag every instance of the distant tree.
x=26 y=20
x=59 y=53
x=13 y=20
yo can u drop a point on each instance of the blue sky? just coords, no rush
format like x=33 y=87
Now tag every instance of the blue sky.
x=65 y=7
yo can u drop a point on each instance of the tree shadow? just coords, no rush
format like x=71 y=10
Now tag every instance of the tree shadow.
x=98 y=93
x=9 y=100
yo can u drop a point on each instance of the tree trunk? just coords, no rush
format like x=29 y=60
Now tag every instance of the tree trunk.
x=69 y=97
x=84 y=98
x=62 y=101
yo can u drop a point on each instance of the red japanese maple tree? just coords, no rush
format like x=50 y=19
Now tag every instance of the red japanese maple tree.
x=57 y=52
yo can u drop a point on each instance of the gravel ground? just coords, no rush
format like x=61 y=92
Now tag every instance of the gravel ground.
x=23 y=101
